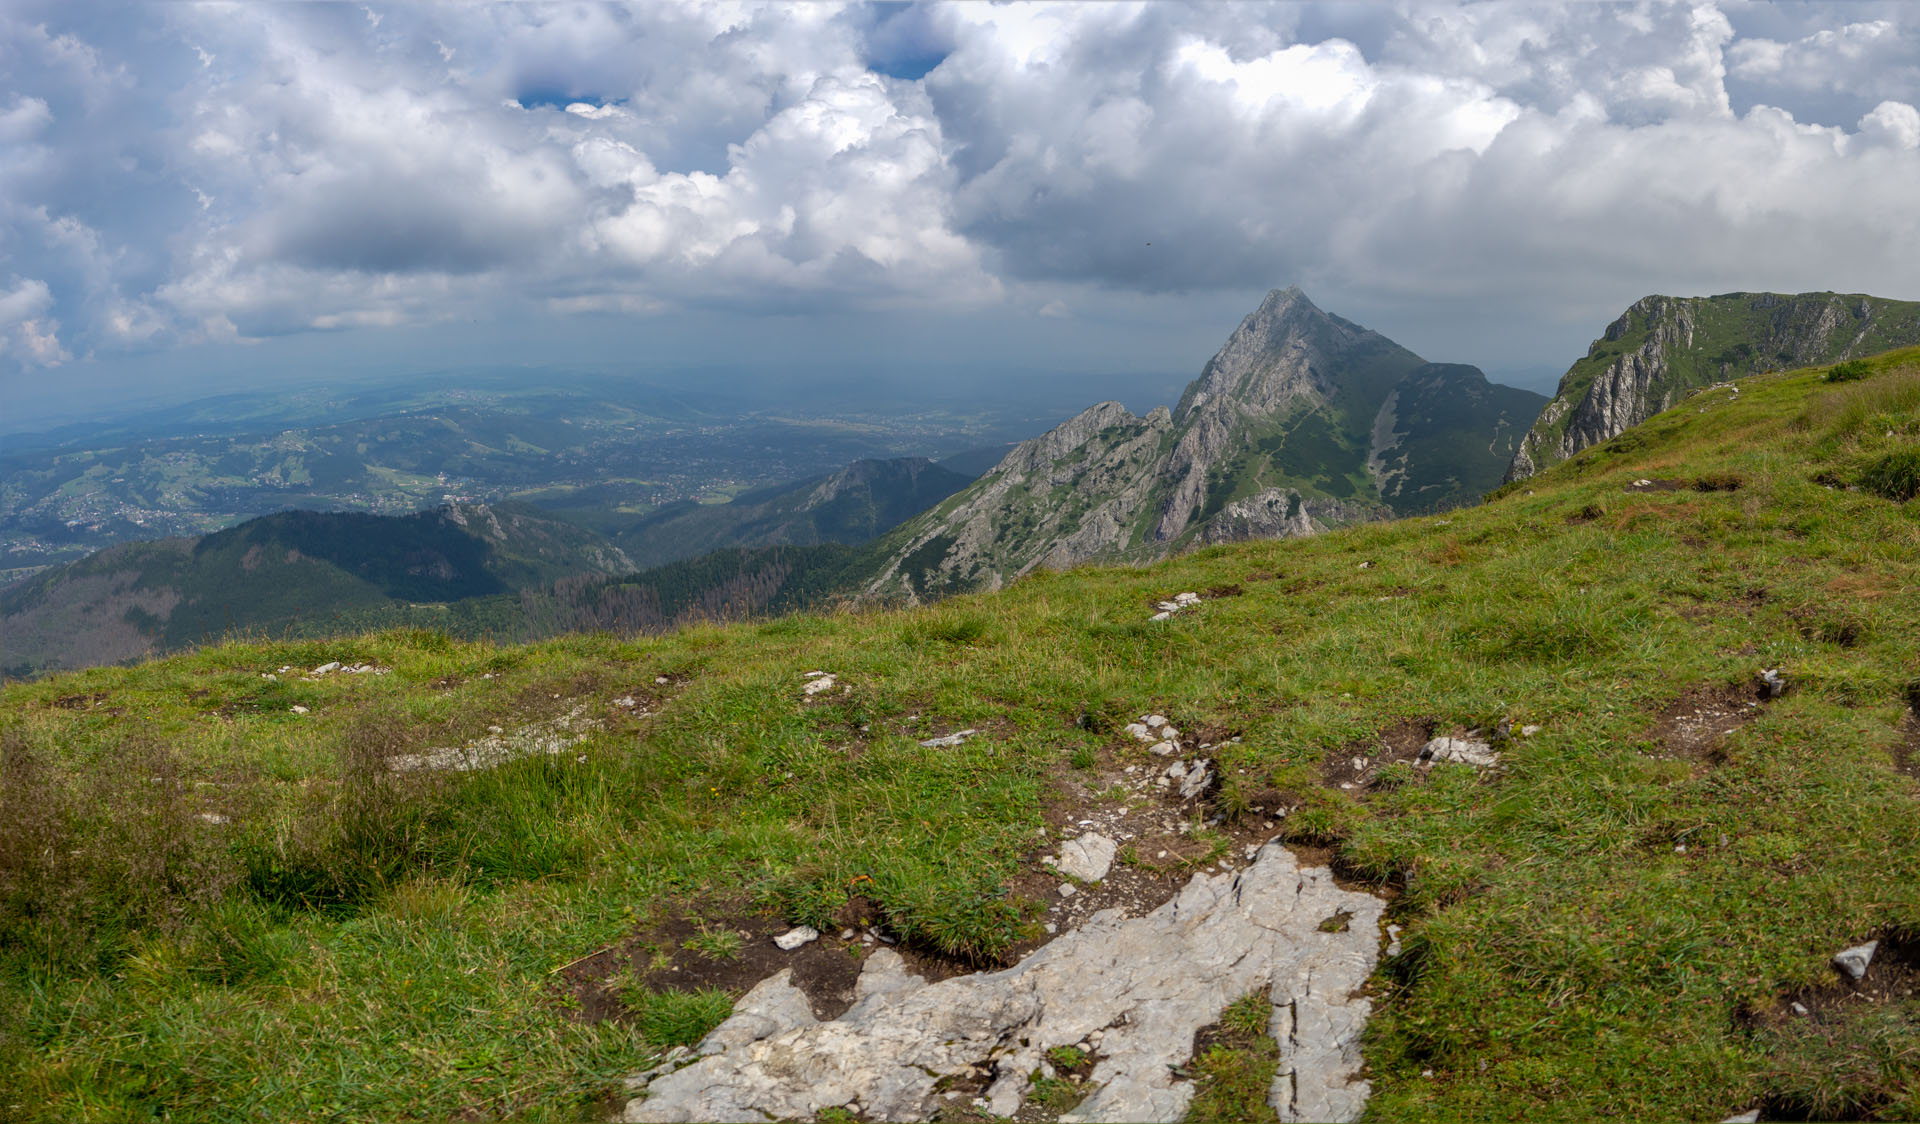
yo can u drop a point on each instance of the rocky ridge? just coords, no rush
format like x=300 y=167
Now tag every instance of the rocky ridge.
x=1300 y=422
x=1663 y=348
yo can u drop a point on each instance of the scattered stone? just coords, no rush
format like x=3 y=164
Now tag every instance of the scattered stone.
x=1161 y=616
x=1800 y=1008
x=1643 y=482
x=552 y=737
x=847 y=934
x=1139 y=730
x=1164 y=749
x=1087 y=858
x=299 y=709
x=214 y=818
x=818 y=681
x=626 y=702
x=794 y=938
x=1067 y=890
x=1177 y=770
x=1478 y=754
x=959 y=737
x=1155 y=720
x=1529 y=731
x=1772 y=686
x=1169 y=733
x=1853 y=961
x=1148 y=983
x=661 y=680
x=1366 y=565
x=325 y=668
x=1748 y=1117
x=1186 y=599
x=1393 y=940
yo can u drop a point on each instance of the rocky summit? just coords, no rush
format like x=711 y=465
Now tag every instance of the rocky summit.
x=1301 y=421
x=1664 y=348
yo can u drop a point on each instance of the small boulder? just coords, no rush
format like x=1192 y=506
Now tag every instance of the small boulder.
x=1197 y=780
x=1772 y=685
x=1478 y=754
x=1161 y=616
x=1164 y=749
x=1087 y=858
x=326 y=668
x=818 y=683
x=794 y=938
x=1853 y=961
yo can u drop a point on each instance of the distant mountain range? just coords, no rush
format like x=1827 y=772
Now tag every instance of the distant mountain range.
x=855 y=504
x=283 y=571
x=1301 y=421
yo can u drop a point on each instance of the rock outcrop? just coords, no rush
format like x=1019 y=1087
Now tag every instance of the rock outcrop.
x=1130 y=991
x=1300 y=422
x=1663 y=348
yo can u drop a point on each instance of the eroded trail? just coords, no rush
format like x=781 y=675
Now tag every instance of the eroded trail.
x=1131 y=992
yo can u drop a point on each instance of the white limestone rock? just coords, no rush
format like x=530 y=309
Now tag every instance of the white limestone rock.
x=1854 y=961
x=1087 y=858
x=1462 y=750
x=1147 y=983
x=794 y=938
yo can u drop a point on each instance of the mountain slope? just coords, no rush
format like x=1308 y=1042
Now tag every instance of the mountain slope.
x=861 y=501
x=1664 y=347
x=204 y=886
x=1301 y=421
x=137 y=599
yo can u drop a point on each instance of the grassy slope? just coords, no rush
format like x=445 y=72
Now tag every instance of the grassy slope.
x=1563 y=960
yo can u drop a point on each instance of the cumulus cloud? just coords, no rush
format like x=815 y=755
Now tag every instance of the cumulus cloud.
x=27 y=333
x=182 y=173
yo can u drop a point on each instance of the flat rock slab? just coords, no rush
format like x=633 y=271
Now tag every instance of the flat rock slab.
x=1147 y=983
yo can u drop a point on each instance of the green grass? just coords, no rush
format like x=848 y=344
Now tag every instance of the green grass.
x=354 y=944
x=1233 y=1075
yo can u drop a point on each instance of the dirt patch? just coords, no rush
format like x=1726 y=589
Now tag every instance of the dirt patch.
x=728 y=945
x=1587 y=514
x=1842 y=1049
x=1718 y=482
x=1694 y=726
x=1892 y=976
x=80 y=702
x=1358 y=766
x=1227 y=590
x=1906 y=751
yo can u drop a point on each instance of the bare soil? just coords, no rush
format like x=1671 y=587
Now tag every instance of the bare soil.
x=1906 y=751
x=658 y=956
x=1356 y=766
x=1694 y=727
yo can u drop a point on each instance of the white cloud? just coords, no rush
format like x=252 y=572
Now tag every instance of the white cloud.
x=347 y=167
x=27 y=333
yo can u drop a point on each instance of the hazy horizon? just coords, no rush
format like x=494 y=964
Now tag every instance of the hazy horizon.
x=201 y=198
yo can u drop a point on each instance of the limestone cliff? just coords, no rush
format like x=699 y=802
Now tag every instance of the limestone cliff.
x=1662 y=348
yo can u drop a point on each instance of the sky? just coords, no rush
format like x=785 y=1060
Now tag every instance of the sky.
x=197 y=197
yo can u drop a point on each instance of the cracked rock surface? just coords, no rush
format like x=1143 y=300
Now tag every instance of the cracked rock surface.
x=1146 y=983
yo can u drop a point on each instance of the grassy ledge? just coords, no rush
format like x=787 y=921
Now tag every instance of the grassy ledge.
x=216 y=903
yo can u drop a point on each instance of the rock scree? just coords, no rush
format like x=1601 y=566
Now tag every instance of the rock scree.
x=1139 y=987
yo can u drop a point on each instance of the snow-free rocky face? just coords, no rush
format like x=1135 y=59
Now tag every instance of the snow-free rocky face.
x=1301 y=421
